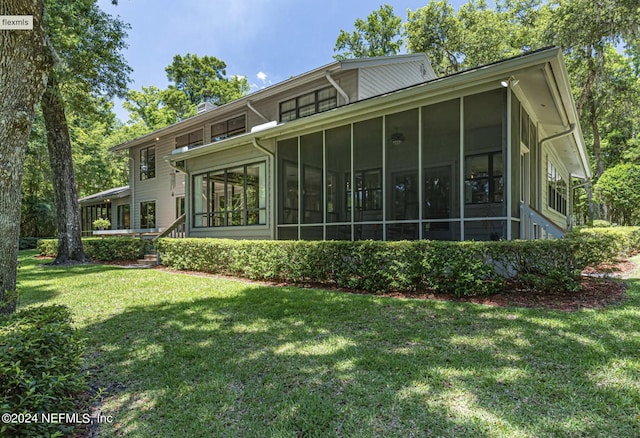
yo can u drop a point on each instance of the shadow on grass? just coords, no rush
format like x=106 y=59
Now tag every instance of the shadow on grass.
x=269 y=361
x=38 y=280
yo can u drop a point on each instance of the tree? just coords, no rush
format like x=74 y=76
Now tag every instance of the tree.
x=157 y=108
x=619 y=189
x=475 y=35
x=584 y=28
x=436 y=30
x=89 y=42
x=27 y=61
x=193 y=78
x=198 y=77
x=378 y=36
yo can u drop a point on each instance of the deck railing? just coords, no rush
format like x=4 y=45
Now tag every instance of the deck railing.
x=176 y=229
x=534 y=225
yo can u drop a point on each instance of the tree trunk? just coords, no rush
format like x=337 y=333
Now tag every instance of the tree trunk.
x=597 y=152
x=24 y=66
x=64 y=182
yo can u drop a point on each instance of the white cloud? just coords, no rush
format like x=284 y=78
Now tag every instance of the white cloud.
x=262 y=76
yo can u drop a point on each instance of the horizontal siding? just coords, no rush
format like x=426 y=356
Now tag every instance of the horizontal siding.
x=157 y=189
x=385 y=78
x=224 y=159
x=347 y=80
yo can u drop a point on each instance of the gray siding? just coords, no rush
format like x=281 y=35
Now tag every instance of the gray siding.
x=382 y=79
x=270 y=107
x=156 y=189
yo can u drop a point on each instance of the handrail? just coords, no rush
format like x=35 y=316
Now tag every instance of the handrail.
x=175 y=229
x=550 y=228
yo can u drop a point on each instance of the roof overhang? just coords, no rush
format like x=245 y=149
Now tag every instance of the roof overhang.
x=115 y=193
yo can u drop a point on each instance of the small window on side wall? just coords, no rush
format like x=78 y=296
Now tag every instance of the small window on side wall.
x=147 y=163
x=148 y=214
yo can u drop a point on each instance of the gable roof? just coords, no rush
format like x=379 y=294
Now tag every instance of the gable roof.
x=318 y=73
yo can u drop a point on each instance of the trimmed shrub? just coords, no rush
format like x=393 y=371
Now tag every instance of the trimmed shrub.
x=610 y=243
x=40 y=357
x=106 y=249
x=28 y=243
x=460 y=268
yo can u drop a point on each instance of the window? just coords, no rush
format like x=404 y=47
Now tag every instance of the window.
x=556 y=190
x=308 y=104
x=190 y=140
x=147 y=163
x=228 y=128
x=148 y=214
x=231 y=197
x=92 y=212
x=483 y=178
x=124 y=217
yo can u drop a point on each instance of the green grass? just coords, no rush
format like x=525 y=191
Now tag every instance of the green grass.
x=180 y=355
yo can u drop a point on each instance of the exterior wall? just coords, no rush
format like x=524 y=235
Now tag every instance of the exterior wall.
x=242 y=155
x=114 y=210
x=548 y=154
x=499 y=138
x=270 y=107
x=393 y=186
x=156 y=189
x=381 y=79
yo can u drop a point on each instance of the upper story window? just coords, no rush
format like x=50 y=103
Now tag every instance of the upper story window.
x=229 y=128
x=307 y=104
x=191 y=139
x=147 y=163
x=556 y=190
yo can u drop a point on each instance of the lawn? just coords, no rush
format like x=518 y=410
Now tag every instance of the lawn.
x=179 y=355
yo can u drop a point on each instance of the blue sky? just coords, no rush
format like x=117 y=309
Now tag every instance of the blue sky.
x=266 y=41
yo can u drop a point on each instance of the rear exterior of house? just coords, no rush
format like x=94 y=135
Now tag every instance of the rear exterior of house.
x=372 y=149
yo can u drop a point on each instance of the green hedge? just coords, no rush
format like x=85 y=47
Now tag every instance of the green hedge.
x=614 y=242
x=40 y=357
x=461 y=268
x=28 y=243
x=98 y=248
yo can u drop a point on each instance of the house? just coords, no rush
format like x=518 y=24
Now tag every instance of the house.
x=376 y=148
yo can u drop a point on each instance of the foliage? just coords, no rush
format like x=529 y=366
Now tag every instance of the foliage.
x=204 y=76
x=101 y=224
x=193 y=78
x=28 y=243
x=611 y=243
x=90 y=44
x=211 y=356
x=379 y=35
x=460 y=268
x=40 y=359
x=474 y=35
x=106 y=249
x=619 y=189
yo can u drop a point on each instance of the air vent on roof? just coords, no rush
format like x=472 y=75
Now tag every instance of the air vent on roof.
x=205 y=106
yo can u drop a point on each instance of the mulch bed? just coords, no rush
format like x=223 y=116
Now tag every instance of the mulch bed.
x=600 y=287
